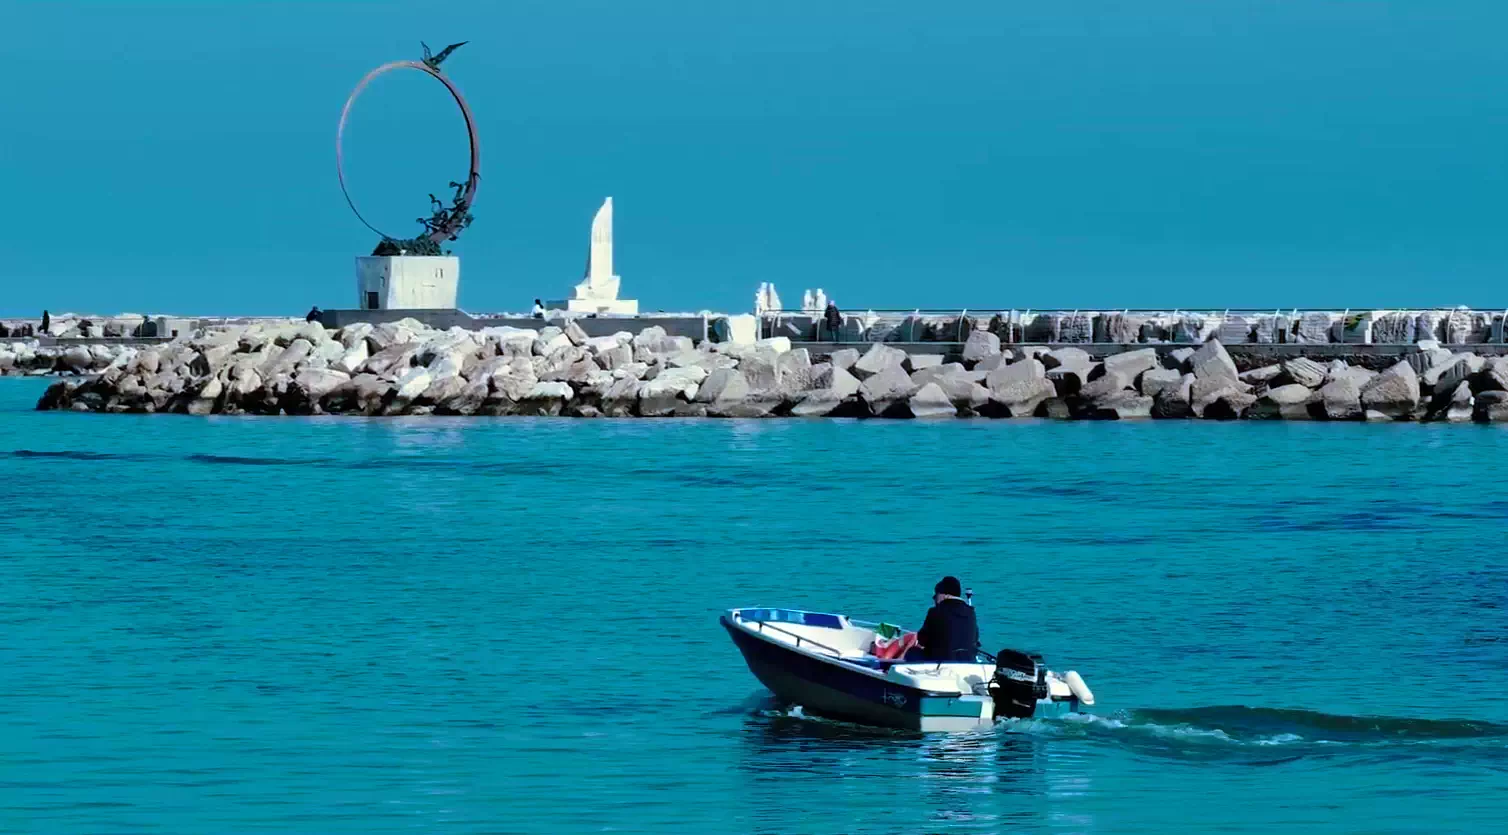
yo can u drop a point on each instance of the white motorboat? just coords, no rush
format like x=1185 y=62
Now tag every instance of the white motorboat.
x=826 y=664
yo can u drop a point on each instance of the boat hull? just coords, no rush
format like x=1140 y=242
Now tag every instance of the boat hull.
x=839 y=690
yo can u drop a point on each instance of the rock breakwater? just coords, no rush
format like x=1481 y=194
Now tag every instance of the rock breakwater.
x=403 y=368
x=28 y=357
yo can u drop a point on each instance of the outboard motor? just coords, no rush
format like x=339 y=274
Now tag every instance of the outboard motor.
x=1020 y=680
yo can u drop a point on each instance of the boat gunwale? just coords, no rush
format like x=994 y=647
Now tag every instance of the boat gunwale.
x=836 y=660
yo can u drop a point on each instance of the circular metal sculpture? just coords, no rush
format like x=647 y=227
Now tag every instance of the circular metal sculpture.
x=445 y=222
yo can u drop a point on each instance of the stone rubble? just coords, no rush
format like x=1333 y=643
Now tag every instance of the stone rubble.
x=406 y=368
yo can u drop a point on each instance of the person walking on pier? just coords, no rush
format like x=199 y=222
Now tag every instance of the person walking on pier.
x=833 y=317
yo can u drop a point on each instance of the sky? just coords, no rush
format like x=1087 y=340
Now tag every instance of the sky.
x=178 y=157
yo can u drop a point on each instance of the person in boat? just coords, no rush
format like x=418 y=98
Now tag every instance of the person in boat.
x=950 y=631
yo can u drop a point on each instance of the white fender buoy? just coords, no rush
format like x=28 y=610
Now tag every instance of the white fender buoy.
x=1076 y=684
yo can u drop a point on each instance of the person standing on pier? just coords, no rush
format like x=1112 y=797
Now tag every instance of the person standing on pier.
x=46 y=321
x=833 y=317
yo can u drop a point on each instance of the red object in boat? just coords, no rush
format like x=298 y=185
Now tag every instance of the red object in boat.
x=889 y=649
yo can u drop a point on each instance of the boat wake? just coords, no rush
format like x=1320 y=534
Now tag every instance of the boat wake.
x=1253 y=735
x=1269 y=736
x=1261 y=724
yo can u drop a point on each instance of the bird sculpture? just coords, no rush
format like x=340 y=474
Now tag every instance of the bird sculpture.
x=434 y=61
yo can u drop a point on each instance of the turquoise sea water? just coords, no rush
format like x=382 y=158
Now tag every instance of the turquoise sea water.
x=510 y=625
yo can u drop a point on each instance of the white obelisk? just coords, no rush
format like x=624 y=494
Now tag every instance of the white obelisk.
x=598 y=290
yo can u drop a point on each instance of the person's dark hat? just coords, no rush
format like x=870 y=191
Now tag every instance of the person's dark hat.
x=948 y=585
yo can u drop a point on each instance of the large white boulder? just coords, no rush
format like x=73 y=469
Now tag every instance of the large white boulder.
x=550 y=340
x=1287 y=402
x=353 y=333
x=1394 y=392
x=548 y=390
x=663 y=395
x=981 y=344
x=844 y=358
x=1019 y=388
x=1341 y=399
x=313 y=331
x=1212 y=360
x=412 y=384
x=445 y=366
x=778 y=344
x=651 y=335
x=932 y=402
x=887 y=390
x=621 y=397
x=510 y=342
x=597 y=345
x=839 y=382
x=387 y=334
x=877 y=359
x=77 y=359
x=353 y=357
x=204 y=402
x=818 y=403
x=1070 y=358
x=287 y=359
x=727 y=394
x=1130 y=364
x=1122 y=405
x=919 y=362
x=1304 y=372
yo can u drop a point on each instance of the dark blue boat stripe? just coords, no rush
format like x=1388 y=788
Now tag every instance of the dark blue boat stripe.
x=868 y=688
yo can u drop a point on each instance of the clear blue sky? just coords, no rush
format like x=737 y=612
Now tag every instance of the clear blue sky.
x=178 y=156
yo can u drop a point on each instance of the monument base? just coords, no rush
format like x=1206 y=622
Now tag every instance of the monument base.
x=621 y=307
x=399 y=282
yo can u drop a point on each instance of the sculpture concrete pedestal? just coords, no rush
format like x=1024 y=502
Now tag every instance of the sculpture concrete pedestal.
x=598 y=292
x=400 y=282
x=622 y=307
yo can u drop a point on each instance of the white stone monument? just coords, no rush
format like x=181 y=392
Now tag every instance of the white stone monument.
x=407 y=282
x=598 y=291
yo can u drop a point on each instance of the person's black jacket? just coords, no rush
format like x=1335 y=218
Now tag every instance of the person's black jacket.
x=950 y=632
x=833 y=318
